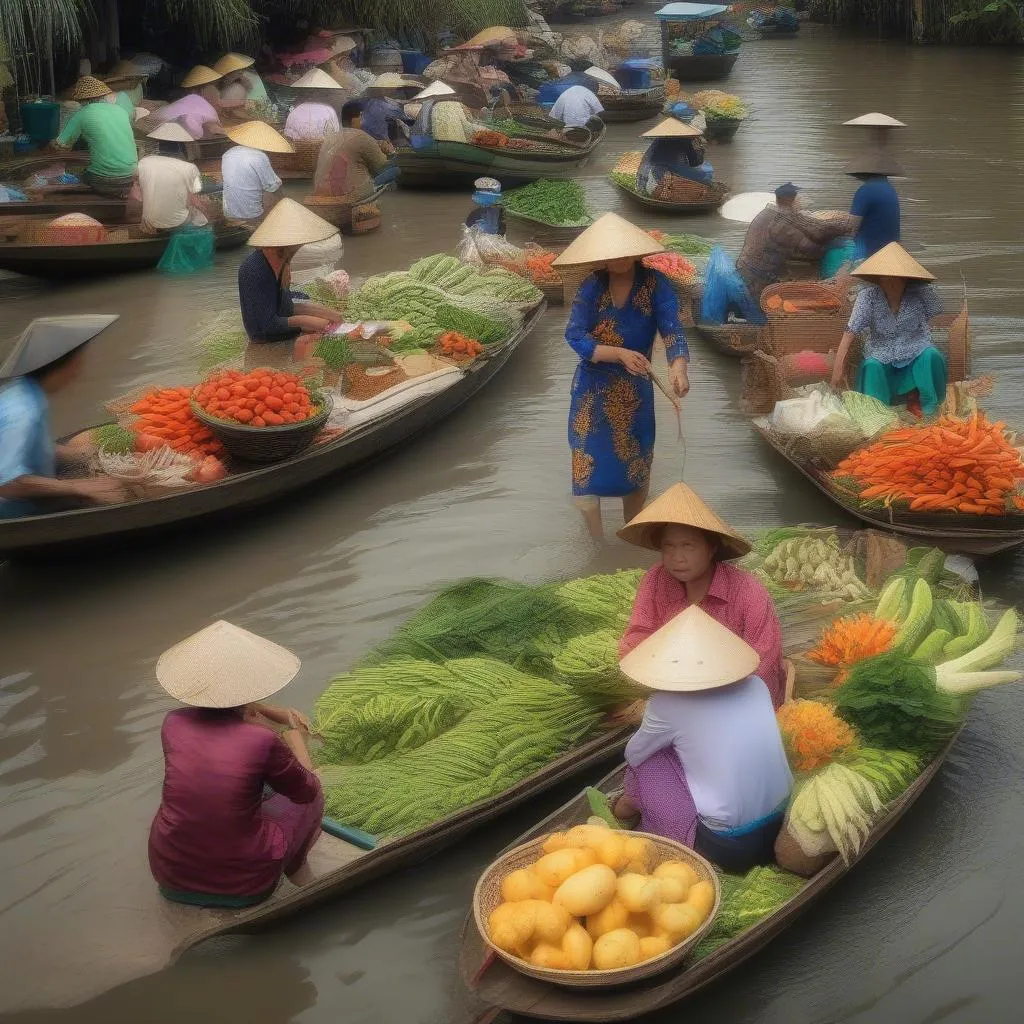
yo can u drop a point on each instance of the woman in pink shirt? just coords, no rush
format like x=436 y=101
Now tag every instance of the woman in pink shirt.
x=696 y=550
x=217 y=840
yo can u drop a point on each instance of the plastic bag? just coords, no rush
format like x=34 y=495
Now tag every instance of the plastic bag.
x=480 y=249
x=725 y=292
x=189 y=249
x=837 y=256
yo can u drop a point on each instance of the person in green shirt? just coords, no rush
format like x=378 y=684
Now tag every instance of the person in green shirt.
x=107 y=130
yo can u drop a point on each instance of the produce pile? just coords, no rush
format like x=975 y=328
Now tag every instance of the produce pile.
x=490 y=139
x=718 y=105
x=685 y=245
x=260 y=398
x=562 y=203
x=626 y=168
x=164 y=416
x=598 y=899
x=676 y=268
x=956 y=465
x=458 y=347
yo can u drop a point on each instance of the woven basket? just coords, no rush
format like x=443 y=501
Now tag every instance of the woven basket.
x=673 y=189
x=265 y=444
x=365 y=218
x=806 y=330
x=302 y=161
x=487 y=896
x=361 y=385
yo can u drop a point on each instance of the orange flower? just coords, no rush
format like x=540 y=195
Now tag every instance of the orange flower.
x=813 y=734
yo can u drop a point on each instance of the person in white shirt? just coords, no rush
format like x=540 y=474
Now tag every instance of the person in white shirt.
x=576 y=106
x=707 y=765
x=309 y=122
x=168 y=185
x=250 y=182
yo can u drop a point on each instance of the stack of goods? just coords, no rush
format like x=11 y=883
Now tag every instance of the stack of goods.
x=163 y=416
x=458 y=347
x=720 y=106
x=465 y=700
x=595 y=898
x=686 y=245
x=532 y=262
x=559 y=203
x=152 y=473
x=73 y=229
x=626 y=168
x=260 y=398
x=678 y=269
x=966 y=466
x=490 y=139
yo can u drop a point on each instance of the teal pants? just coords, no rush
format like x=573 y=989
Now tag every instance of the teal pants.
x=926 y=375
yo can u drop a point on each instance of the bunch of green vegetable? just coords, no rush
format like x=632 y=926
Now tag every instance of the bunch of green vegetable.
x=470 y=324
x=813 y=560
x=335 y=350
x=871 y=416
x=561 y=202
x=322 y=293
x=590 y=665
x=114 y=439
x=889 y=771
x=687 y=245
x=626 y=180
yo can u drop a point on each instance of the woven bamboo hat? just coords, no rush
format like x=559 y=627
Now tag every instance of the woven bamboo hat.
x=432 y=91
x=343 y=44
x=390 y=81
x=892 y=261
x=684 y=507
x=259 y=135
x=494 y=34
x=290 y=223
x=233 y=62
x=317 y=79
x=691 y=652
x=125 y=71
x=604 y=77
x=225 y=666
x=200 y=75
x=610 y=237
x=875 y=120
x=89 y=88
x=670 y=128
x=50 y=338
x=170 y=131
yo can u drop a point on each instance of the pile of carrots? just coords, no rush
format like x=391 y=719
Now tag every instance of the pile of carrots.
x=458 y=347
x=165 y=418
x=540 y=270
x=949 y=465
x=673 y=266
x=849 y=641
x=260 y=398
x=776 y=304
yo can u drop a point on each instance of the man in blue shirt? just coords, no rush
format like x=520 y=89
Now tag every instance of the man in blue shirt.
x=876 y=204
x=46 y=359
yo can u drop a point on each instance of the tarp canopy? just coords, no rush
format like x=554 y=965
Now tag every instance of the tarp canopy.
x=689 y=12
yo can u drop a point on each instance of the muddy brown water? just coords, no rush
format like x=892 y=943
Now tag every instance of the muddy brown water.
x=926 y=930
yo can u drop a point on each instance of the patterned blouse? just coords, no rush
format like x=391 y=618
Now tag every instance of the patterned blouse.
x=895 y=339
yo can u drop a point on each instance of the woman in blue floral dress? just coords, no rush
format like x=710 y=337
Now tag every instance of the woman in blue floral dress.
x=615 y=318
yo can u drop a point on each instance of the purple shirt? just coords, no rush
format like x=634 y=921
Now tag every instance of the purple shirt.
x=210 y=835
x=192 y=112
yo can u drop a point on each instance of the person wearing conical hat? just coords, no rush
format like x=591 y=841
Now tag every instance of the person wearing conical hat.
x=697 y=567
x=381 y=110
x=314 y=118
x=126 y=80
x=46 y=359
x=251 y=184
x=688 y=114
x=676 y=151
x=240 y=83
x=351 y=164
x=169 y=184
x=108 y=134
x=487 y=215
x=876 y=203
x=617 y=313
x=271 y=312
x=893 y=311
x=217 y=840
x=707 y=766
x=198 y=111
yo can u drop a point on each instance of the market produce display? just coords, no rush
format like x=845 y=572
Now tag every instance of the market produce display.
x=626 y=168
x=685 y=245
x=558 y=202
x=967 y=466
x=718 y=105
x=676 y=268
x=260 y=398
x=113 y=438
x=164 y=416
x=598 y=899
x=458 y=347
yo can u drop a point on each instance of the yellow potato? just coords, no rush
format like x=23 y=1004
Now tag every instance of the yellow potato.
x=551 y=957
x=678 y=920
x=638 y=893
x=641 y=924
x=702 y=898
x=588 y=891
x=505 y=937
x=641 y=854
x=585 y=856
x=554 y=868
x=585 y=836
x=673 y=889
x=615 y=915
x=555 y=841
x=654 y=945
x=550 y=922
x=524 y=884
x=519 y=917
x=612 y=851
x=620 y=948
x=578 y=947
x=677 y=869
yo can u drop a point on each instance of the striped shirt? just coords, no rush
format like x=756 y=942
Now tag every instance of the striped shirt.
x=895 y=339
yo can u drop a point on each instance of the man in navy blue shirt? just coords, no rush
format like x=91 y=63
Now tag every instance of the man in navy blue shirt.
x=876 y=204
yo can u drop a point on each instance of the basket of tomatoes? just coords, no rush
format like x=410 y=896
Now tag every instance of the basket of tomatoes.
x=261 y=416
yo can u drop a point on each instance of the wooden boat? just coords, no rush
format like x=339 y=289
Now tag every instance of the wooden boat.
x=734 y=339
x=633 y=104
x=534 y=226
x=457 y=165
x=702 y=67
x=52 y=203
x=340 y=213
x=500 y=986
x=722 y=129
x=951 y=531
x=705 y=197
x=260 y=484
x=140 y=933
x=116 y=255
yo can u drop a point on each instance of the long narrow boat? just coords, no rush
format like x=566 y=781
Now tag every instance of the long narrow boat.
x=633 y=105
x=734 y=339
x=706 y=197
x=702 y=67
x=40 y=259
x=54 y=203
x=499 y=986
x=118 y=523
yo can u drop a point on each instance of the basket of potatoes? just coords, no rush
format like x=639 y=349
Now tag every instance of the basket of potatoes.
x=595 y=906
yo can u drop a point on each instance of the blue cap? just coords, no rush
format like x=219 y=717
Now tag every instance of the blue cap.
x=787 y=191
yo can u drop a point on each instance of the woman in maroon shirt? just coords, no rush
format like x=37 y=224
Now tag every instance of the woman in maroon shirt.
x=216 y=840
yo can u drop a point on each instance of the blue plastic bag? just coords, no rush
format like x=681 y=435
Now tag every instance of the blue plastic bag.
x=725 y=292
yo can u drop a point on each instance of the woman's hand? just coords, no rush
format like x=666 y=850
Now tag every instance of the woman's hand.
x=838 y=372
x=678 y=374
x=839 y=366
x=297 y=720
x=635 y=362
x=309 y=324
x=101 y=490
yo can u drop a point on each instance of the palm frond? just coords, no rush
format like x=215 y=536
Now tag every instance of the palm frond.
x=32 y=30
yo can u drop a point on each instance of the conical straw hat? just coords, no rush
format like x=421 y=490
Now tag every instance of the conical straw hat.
x=259 y=135
x=317 y=79
x=875 y=121
x=682 y=506
x=893 y=261
x=390 y=80
x=670 y=128
x=124 y=71
x=690 y=652
x=437 y=89
x=170 y=131
x=875 y=161
x=610 y=237
x=89 y=88
x=225 y=666
x=604 y=77
x=233 y=62
x=290 y=223
x=200 y=75
x=343 y=44
x=494 y=34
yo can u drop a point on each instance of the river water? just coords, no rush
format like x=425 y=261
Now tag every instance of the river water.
x=924 y=931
